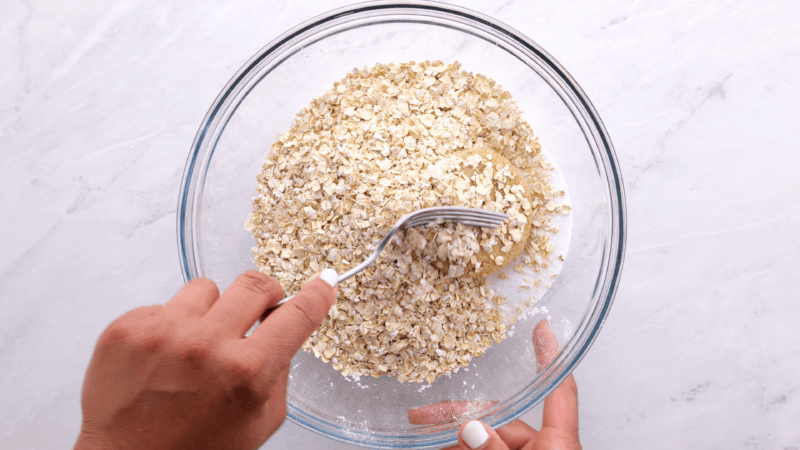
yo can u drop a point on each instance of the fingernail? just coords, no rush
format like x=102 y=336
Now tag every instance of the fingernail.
x=330 y=276
x=549 y=327
x=474 y=434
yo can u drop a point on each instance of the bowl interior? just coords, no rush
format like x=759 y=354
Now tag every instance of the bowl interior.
x=262 y=101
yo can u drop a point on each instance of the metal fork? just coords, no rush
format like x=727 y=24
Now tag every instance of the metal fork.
x=439 y=214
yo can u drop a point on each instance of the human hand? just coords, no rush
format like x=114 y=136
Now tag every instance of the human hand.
x=182 y=375
x=559 y=422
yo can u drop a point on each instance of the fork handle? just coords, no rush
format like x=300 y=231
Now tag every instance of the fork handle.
x=328 y=275
x=285 y=299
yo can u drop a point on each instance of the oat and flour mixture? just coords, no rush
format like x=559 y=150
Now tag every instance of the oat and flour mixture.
x=382 y=143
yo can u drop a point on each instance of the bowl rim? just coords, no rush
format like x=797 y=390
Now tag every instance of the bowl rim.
x=191 y=184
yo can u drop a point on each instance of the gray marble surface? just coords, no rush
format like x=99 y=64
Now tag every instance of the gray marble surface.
x=100 y=101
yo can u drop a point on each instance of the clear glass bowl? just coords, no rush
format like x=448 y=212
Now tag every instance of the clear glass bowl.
x=261 y=101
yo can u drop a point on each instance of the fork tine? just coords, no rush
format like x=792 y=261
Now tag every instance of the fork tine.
x=457 y=219
x=486 y=215
x=466 y=216
x=493 y=226
x=460 y=212
x=438 y=209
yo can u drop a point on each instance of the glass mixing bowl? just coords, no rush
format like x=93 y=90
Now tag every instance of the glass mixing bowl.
x=261 y=101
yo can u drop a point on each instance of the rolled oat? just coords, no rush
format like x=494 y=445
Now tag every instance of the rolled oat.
x=381 y=143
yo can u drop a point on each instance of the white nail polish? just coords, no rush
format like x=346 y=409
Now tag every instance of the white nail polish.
x=330 y=276
x=474 y=434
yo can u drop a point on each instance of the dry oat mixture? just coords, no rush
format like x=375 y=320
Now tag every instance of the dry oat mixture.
x=381 y=143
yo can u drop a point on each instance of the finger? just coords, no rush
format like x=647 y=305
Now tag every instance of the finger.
x=476 y=435
x=240 y=306
x=447 y=411
x=561 y=408
x=194 y=299
x=544 y=344
x=275 y=306
x=282 y=334
x=517 y=434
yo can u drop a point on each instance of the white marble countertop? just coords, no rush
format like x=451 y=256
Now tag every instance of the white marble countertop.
x=100 y=101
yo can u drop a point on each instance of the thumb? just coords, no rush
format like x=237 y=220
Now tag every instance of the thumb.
x=476 y=435
x=560 y=412
x=284 y=331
